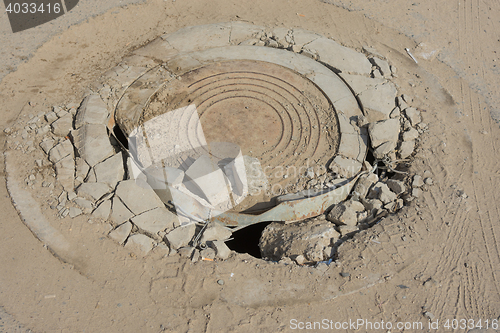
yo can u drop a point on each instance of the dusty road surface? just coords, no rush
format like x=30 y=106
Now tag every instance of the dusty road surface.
x=435 y=261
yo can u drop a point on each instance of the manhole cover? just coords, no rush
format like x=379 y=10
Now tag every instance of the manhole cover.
x=272 y=113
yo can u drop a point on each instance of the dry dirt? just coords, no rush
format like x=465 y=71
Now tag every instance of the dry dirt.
x=439 y=255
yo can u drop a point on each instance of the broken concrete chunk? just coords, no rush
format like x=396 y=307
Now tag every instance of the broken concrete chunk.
x=222 y=251
x=348 y=230
x=65 y=170
x=110 y=171
x=383 y=65
x=63 y=125
x=155 y=220
x=92 y=111
x=137 y=196
x=384 y=131
x=378 y=102
x=47 y=145
x=93 y=143
x=345 y=167
x=413 y=116
x=382 y=192
x=406 y=148
x=215 y=232
x=208 y=181
x=119 y=213
x=181 y=236
x=103 y=210
x=51 y=117
x=345 y=213
x=92 y=191
x=84 y=204
x=74 y=212
x=363 y=185
x=82 y=168
x=410 y=135
x=384 y=149
x=372 y=205
x=140 y=244
x=121 y=233
x=417 y=181
x=396 y=186
x=395 y=113
x=280 y=240
x=60 y=151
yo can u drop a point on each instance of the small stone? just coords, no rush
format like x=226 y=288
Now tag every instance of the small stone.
x=140 y=244
x=222 y=251
x=429 y=315
x=363 y=185
x=406 y=148
x=345 y=274
x=410 y=135
x=428 y=181
x=296 y=48
x=413 y=116
x=417 y=181
x=31 y=177
x=63 y=125
x=416 y=193
x=120 y=233
x=39 y=163
x=103 y=210
x=220 y=282
x=74 y=212
x=300 y=259
x=396 y=186
x=186 y=251
x=181 y=236
x=207 y=253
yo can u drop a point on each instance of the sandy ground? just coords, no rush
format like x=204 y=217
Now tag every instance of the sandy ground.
x=439 y=255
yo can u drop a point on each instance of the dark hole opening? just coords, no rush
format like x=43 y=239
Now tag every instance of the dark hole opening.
x=120 y=136
x=246 y=240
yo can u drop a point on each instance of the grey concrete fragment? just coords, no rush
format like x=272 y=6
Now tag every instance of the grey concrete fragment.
x=215 y=232
x=74 y=212
x=63 y=125
x=291 y=240
x=340 y=57
x=384 y=149
x=208 y=253
x=413 y=116
x=417 y=181
x=119 y=213
x=345 y=213
x=47 y=145
x=84 y=204
x=65 y=170
x=82 y=168
x=51 y=117
x=345 y=167
x=93 y=143
x=60 y=151
x=92 y=111
x=155 y=220
x=410 y=135
x=384 y=131
x=383 y=66
x=92 y=191
x=137 y=196
x=222 y=251
x=363 y=185
x=110 y=171
x=181 y=236
x=140 y=244
x=406 y=148
x=395 y=113
x=120 y=233
x=382 y=192
x=396 y=186
x=372 y=205
x=187 y=251
x=416 y=192
x=103 y=210
x=348 y=230
x=379 y=101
